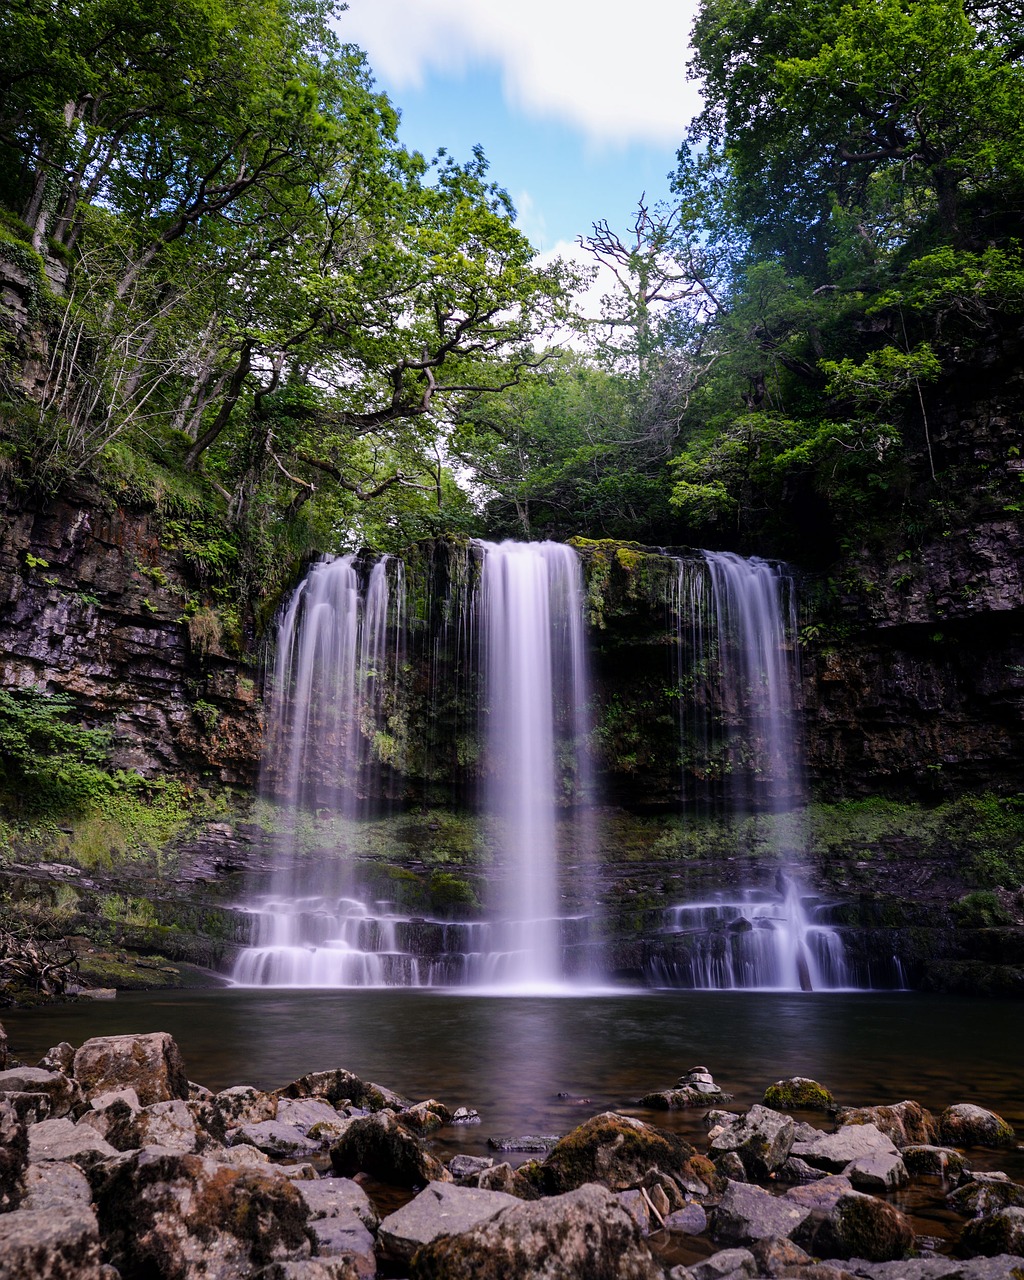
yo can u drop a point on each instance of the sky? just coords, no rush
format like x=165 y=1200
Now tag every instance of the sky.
x=579 y=106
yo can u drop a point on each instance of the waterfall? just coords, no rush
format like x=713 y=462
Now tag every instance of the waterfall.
x=535 y=698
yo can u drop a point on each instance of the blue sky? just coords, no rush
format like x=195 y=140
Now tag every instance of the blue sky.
x=579 y=107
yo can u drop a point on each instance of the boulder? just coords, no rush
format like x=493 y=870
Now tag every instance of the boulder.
x=1003 y=1266
x=747 y=1213
x=965 y=1125
x=56 y=1186
x=903 y=1123
x=338 y=1197
x=526 y=1142
x=311 y=1269
x=465 y=1115
x=639 y=1209
x=380 y=1146
x=941 y=1162
x=730 y=1167
x=65 y=1140
x=64 y=1094
x=834 y=1151
x=61 y=1057
x=582 y=1235
x=340 y=1087
x=13 y=1155
x=858 y=1226
x=690 y=1220
x=463 y=1166
x=345 y=1238
x=931 y=1268
x=998 y=1232
x=151 y=1064
x=798 y=1093
x=985 y=1194
x=440 y=1209
x=878 y=1173
x=615 y=1150
x=185 y=1215
x=276 y=1139
x=727 y=1264
x=762 y=1139
x=502 y=1177
x=425 y=1117
x=774 y=1253
x=316 y=1119
x=40 y=1244
x=30 y=1108
x=245 y=1104
x=799 y=1171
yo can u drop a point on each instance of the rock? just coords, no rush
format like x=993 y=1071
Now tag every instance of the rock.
x=346 y=1238
x=798 y=1093
x=40 y=1244
x=4 y=1051
x=462 y=1166
x=1003 y=1266
x=690 y=1220
x=984 y=1195
x=185 y=1215
x=615 y=1150
x=424 y=1117
x=317 y=1120
x=311 y=1269
x=342 y=1087
x=834 y=1151
x=695 y=1089
x=151 y=1064
x=904 y=1123
x=910 y=1269
x=965 y=1125
x=820 y=1196
x=380 y=1146
x=859 y=1226
x=439 y=1210
x=64 y=1094
x=276 y=1139
x=240 y=1157
x=878 y=1173
x=799 y=1171
x=727 y=1264
x=525 y=1142
x=500 y=1178
x=582 y=1235
x=773 y=1253
x=30 y=1108
x=762 y=1139
x=747 y=1213
x=718 y=1119
x=730 y=1166
x=60 y=1058
x=127 y=1095
x=998 y=1232
x=338 y=1197
x=465 y=1115
x=65 y=1140
x=56 y=1186
x=244 y=1104
x=639 y=1209
x=13 y=1155
x=942 y=1162
x=199 y=1092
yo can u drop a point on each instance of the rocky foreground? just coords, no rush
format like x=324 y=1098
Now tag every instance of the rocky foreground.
x=113 y=1165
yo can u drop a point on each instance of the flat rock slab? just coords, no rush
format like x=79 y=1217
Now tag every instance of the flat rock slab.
x=64 y=1140
x=442 y=1209
x=526 y=1142
x=317 y=1120
x=276 y=1139
x=834 y=1151
x=878 y=1173
x=334 y=1197
x=747 y=1213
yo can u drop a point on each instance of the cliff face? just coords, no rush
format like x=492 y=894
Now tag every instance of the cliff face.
x=91 y=604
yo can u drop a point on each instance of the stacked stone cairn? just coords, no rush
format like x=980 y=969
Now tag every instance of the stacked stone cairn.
x=113 y=1166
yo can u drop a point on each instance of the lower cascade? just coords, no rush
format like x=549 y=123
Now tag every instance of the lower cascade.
x=512 y=629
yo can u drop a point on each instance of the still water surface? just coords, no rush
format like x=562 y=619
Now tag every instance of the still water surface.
x=510 y=1057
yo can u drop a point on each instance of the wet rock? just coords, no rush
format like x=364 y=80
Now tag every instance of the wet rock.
x=985 y=1194
x=762 y=1139
x=859 y=1226
x=639 y=1209
x=40 y=1244
x=463 y=1166
x=60 y=1058
x=338 y=1197
x=151 y=1064
x=727 y=1264
x=699 y=1179
x=798 y=1093
x=276 y=1139
x=13 y=1155
x=380 y=1146
x=582 y=1235
x=64 y=1094
x=904 y=1123
x=822 y=1195
x=730 y=1166
x=65 y=1140
x=184 y=1215
x=440 y=1209
x=775 y=1253
x=502 y=1177
x=690 y=1220
x=834 y=1151
x=465 y=1115
x=244 y=1104
x=56 y=1186
x=998 y=1232
x=942 y=1162
x=617 y=1151
x=316 y=1120
x=527 y=1142
x=425 y=1117
x=965 y=1125
x=799 y=1171
x=878 y=1173
x=340 y=1087
x=746 y=1213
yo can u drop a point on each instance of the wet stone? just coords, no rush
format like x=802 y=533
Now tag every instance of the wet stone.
x=748 y=1213
x=690 y=1220
x=528 y=1142
x=441 y=1209
x=463 y=1166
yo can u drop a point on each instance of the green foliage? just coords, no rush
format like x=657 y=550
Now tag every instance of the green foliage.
x=981 y=910
x=47 y=763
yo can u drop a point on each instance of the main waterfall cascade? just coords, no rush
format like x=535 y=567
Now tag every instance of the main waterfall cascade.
x=516 y=623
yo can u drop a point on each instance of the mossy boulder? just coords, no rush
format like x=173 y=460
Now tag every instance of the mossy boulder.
x=986 y=1194
x=862 y=1226
x=799 y=1093
x=380 y=1146
x=999 y=1232
x=904 y=1123
x=965 y=1125
x=615 y=1150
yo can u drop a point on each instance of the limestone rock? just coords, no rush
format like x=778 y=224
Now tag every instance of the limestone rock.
x=747 y=1213
x=615 y=1150
x=151 y=1064
x=463 y=1166
x=985 y=1194
x=727 y=1264
x=998 y=1232
x=40 y=1244
x=64 y=1140
x=690 y=1220
x=582 y=1235
x=347 y=1239
x=879 y=1173
x=56 y=1186
x=834 y=1151
x=798 y=1093
x=904 y=1123
x=965 y=1125
x=276 y=1139
x=61 y=1057
x=380 y=1146
x=244 y=1104
x=762 y=1139
x=335 y=1197
x=316 y=1119
x=63 y=1093
x=341 y=1087
x=440 y=1209
x=425 y=1117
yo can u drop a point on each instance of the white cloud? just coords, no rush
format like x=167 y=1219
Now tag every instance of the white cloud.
x=616 y=74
